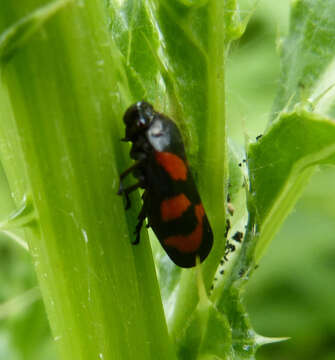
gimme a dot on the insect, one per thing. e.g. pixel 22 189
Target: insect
pixel 171 201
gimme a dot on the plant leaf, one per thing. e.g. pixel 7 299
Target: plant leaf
pixel 18 34
pixel 134 32
pixel 207 335
pixel 308 62
pixel 280 164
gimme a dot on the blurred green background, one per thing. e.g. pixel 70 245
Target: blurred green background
pixel 24 329
pixel 291 294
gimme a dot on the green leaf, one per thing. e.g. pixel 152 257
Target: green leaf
pixel 206 336
pixel 133 29
pixel 308 64
pixel 23 216
pixel 280 164
pixel 193 44
pixel 18 34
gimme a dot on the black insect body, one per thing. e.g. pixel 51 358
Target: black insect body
pixel 171 201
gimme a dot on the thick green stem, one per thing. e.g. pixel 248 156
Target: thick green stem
pixel 213 160
pixel 100 292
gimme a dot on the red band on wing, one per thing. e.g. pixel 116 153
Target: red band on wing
pixel 189 243
pixel 174 207
pixel 172 164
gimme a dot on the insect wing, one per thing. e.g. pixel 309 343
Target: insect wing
pixel 175 210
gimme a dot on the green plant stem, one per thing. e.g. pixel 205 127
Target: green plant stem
pixel 100 292
pixel 213 160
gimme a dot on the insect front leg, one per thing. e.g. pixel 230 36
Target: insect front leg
pixel 141 217
pixel 126 173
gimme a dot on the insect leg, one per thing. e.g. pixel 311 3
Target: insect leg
pixel 127 191
pixel 141 217
pixel 126 173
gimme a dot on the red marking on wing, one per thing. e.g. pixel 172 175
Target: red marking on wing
pixel 199 212
pixel 174 207
pixel 172 164
pixel 189 243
